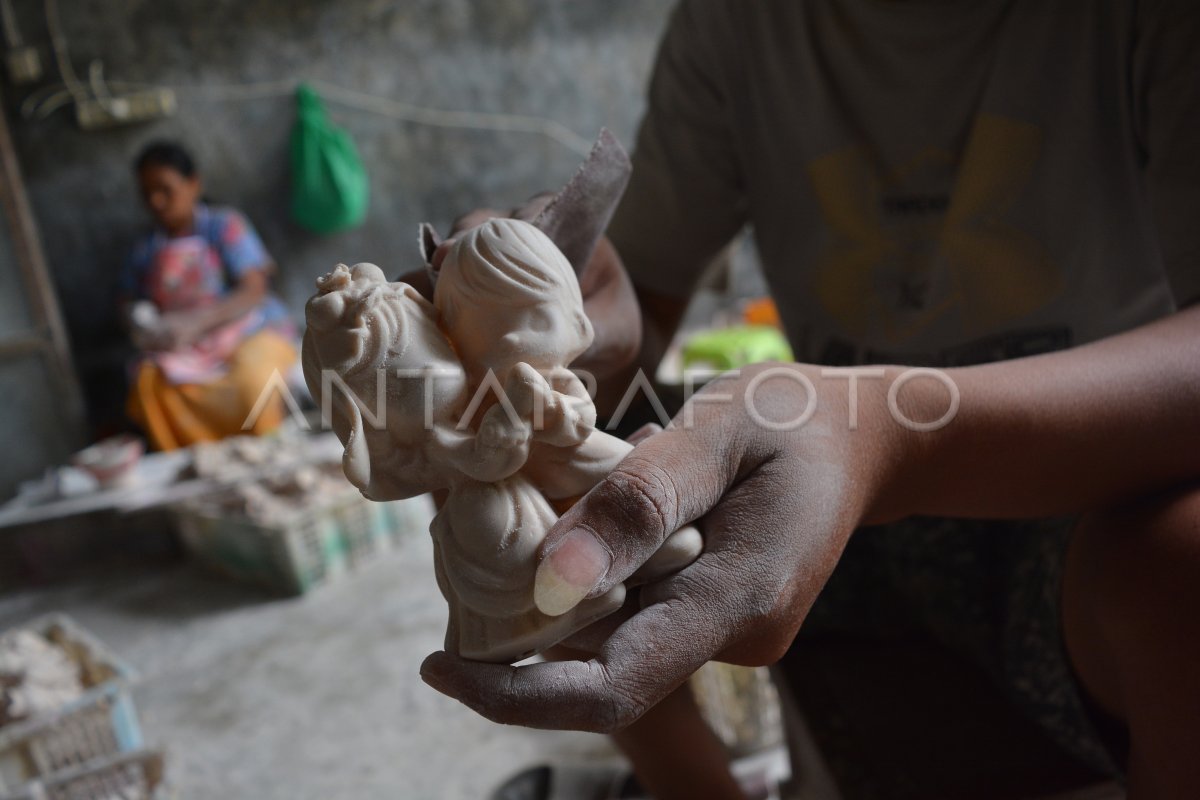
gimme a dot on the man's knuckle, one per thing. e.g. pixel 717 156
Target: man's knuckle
pixel 647 494
pixel 695 587
pixel 625 708
pixel 761 601
pixel 771 622
pixel 620 702
pixel 504 703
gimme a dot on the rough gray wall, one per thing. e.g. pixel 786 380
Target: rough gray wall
pixel 583 63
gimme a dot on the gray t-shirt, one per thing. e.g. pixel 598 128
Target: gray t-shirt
pixel 929 181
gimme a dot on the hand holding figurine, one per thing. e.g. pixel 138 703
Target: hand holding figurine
pixel 506 317
pixel 775 508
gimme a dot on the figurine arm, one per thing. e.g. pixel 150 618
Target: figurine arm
pixel 486 457
pixel 568 415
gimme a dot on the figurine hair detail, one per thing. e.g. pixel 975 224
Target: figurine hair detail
pixel 363 320
pixel 506 263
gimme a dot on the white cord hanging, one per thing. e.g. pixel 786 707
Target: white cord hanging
pixel 47 100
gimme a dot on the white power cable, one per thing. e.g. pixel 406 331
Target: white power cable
pixel 96 80
pixel 468 120
pixel 236 92
pixel 58 44
pixel 387 107
pixel 45 101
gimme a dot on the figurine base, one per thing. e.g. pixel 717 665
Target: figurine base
pixel 509 639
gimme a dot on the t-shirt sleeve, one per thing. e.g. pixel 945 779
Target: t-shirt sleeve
pixel 685 199
pixel 1166 86
pixel 241 249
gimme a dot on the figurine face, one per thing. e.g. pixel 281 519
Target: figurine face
pixel 543 336
pixel 506 294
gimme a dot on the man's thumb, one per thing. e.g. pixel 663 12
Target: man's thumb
pixel 669 480
pixel 577 565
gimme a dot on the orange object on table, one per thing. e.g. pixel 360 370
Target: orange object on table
pixel 761 312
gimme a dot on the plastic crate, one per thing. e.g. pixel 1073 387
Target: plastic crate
pixel 127 776
pixel 101 722
pixel 401 519
pixel 307 550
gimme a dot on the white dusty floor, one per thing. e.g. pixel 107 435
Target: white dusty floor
pixel 317 697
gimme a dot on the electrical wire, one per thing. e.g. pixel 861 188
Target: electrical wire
pixel 235 92
pixel 75 92
pixel 58 44
pixel 31 106
pixel 45 101
pixel 100 89
pixel 468 120
pixel 12 34
pixel 387 107
pixel 96 80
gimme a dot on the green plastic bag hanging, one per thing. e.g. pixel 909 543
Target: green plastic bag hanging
pixel 329 185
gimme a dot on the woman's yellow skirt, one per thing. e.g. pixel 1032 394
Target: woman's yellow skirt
pixel 175 416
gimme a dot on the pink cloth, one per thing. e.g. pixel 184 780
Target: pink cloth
pixel 186 275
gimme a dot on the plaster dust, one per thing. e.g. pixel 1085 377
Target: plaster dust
pixel 36 676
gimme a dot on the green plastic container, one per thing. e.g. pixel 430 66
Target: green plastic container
pixel 732 348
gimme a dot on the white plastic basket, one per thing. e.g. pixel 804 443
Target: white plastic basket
pixel 101 722
pixel 126 776
pixel 308 549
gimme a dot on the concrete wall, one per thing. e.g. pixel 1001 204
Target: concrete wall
pixel 583 63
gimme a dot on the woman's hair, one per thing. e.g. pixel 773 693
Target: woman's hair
pixel 163 153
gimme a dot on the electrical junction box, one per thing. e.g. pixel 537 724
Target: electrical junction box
pixel 24 65
pixel 125 109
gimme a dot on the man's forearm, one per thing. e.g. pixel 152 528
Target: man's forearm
pixel 633 327
pixel 660 319
pixel 1053 434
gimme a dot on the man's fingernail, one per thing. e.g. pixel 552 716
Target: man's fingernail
pixel 567 575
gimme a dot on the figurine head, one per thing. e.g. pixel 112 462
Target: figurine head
pixel 358 325
pixel 364 323
pixel 506 294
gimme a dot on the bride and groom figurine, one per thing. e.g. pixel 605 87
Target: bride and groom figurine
pixel 471 394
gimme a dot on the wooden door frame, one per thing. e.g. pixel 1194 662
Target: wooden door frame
pixel 48 336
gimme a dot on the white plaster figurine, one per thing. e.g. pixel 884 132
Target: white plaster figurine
pixel 478 401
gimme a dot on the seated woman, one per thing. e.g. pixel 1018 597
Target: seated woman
pixel 198 305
